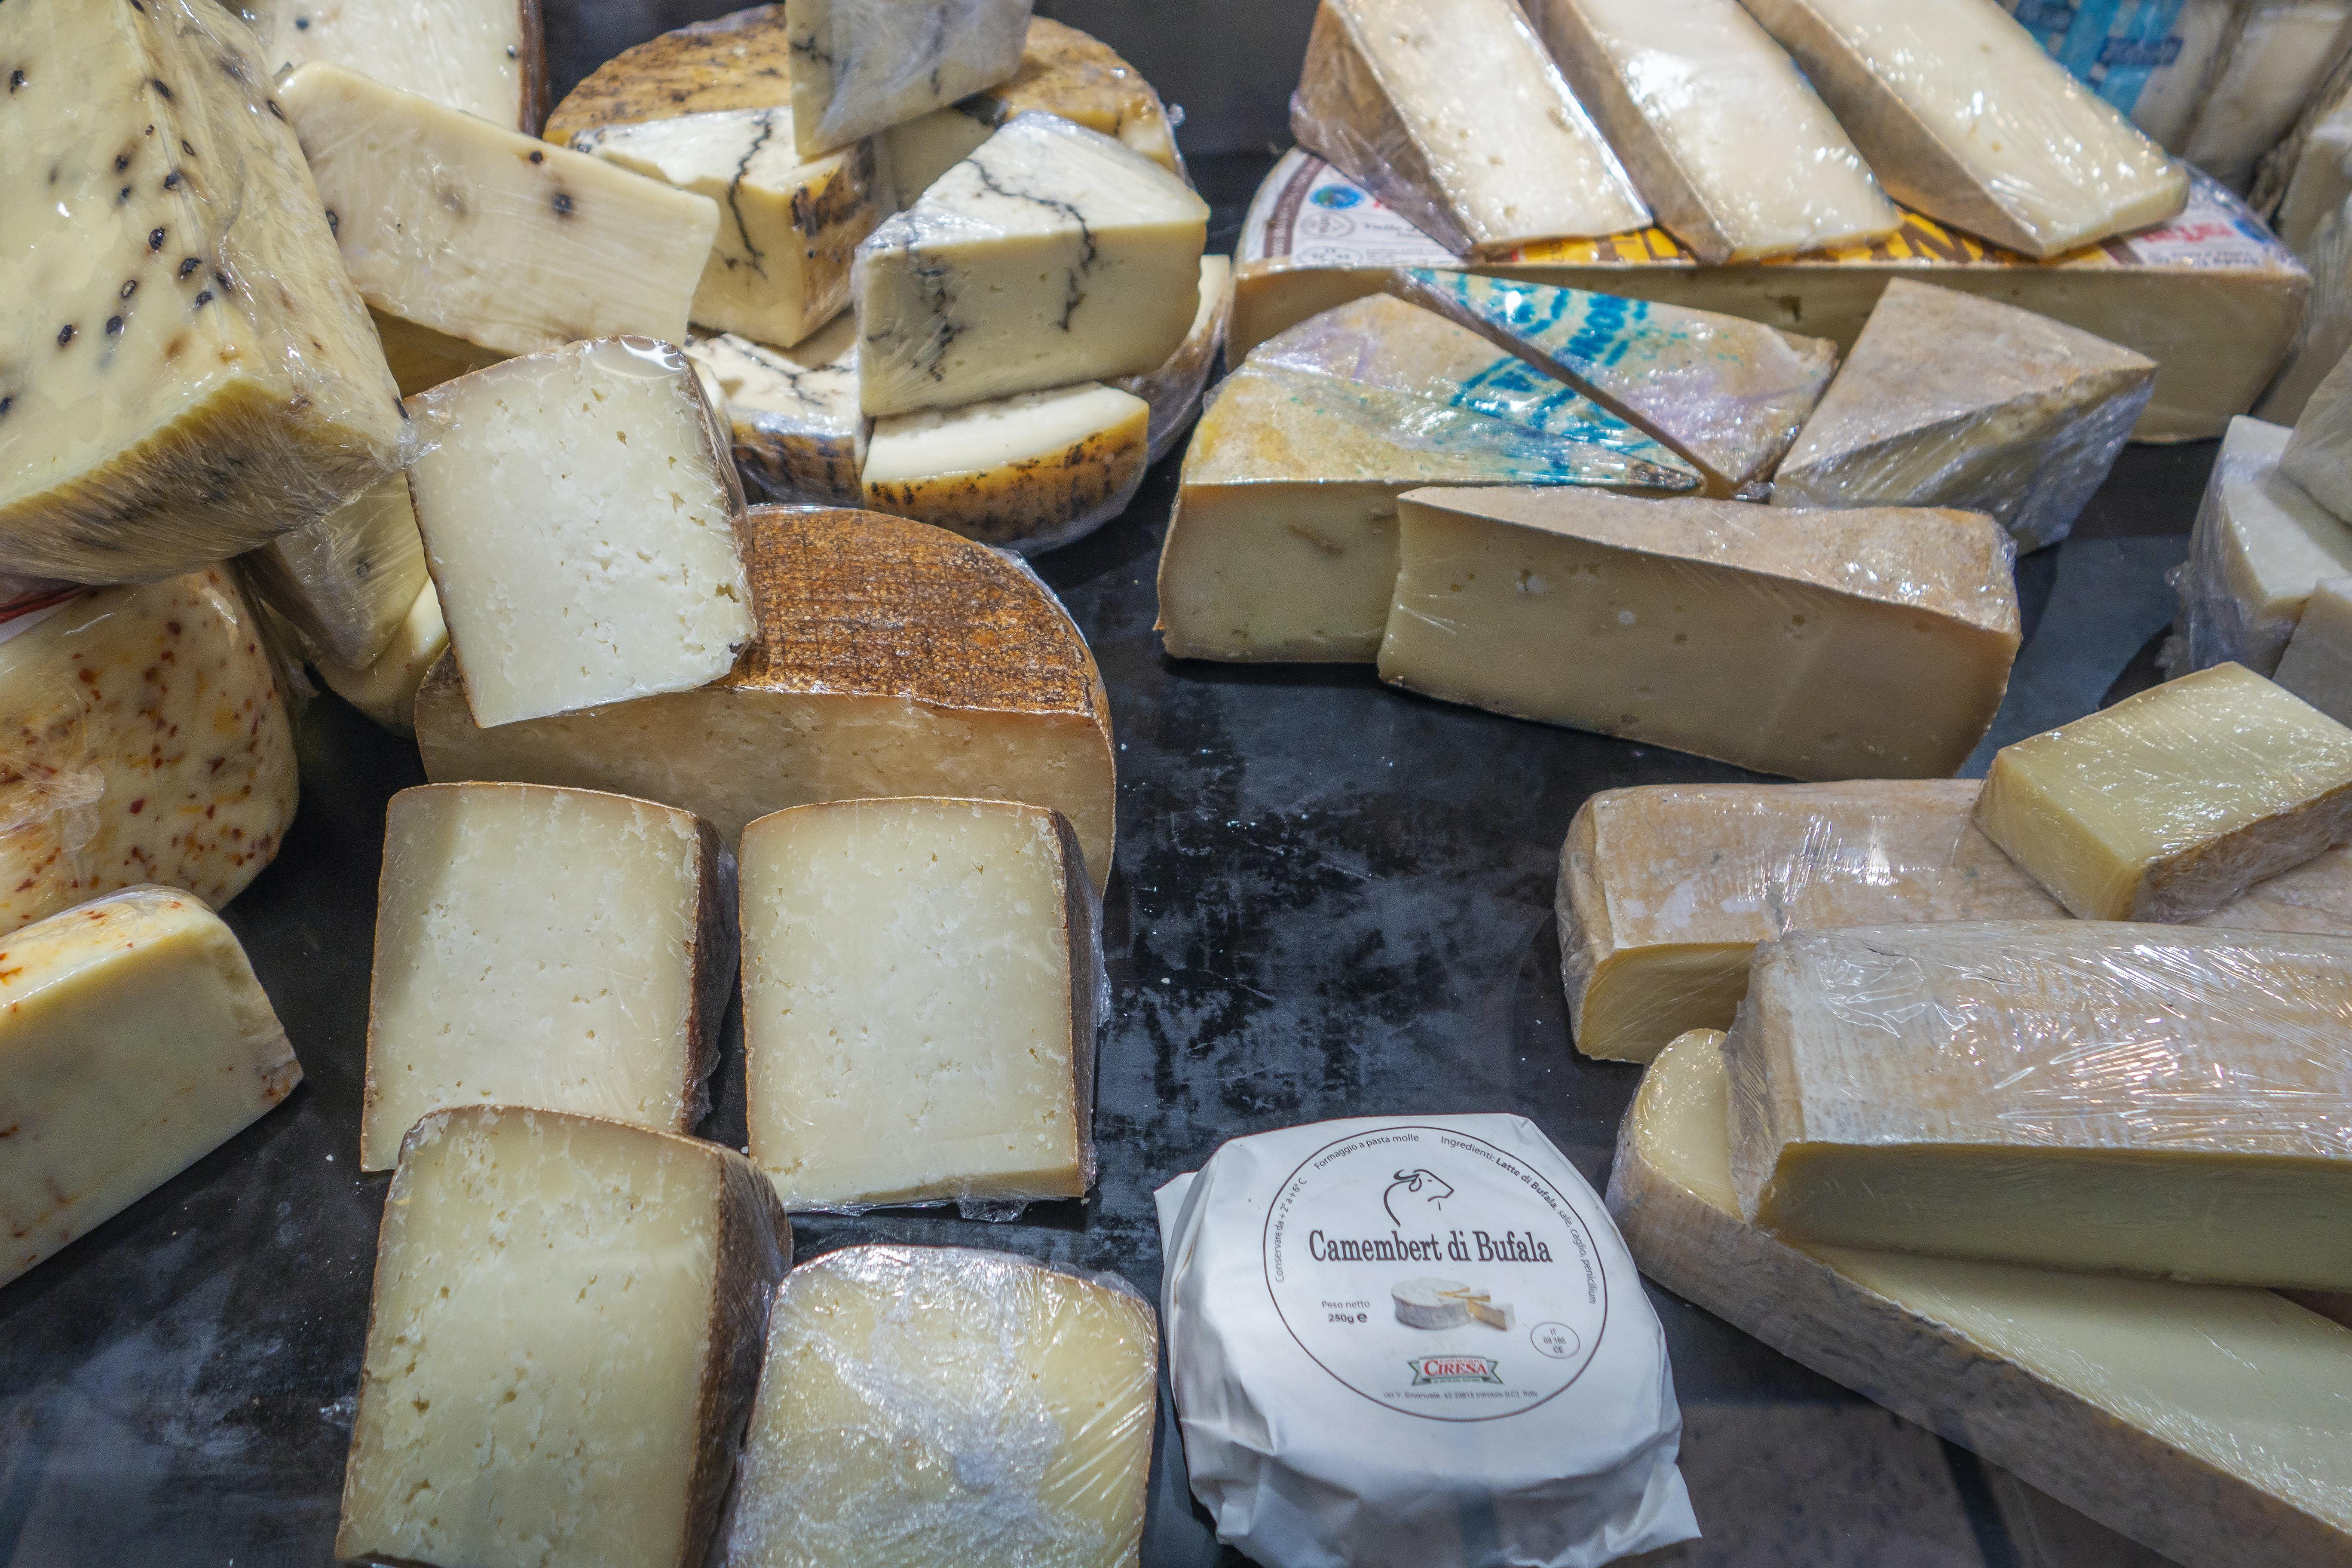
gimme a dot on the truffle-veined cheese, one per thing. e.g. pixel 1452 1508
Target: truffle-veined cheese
pixel 800 438
pixel 862 65
pixel 1028 473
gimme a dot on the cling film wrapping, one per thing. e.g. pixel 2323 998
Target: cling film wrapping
pixel 2152 59
pixel 799 437
pixel 386 689
pixel 347 582
pixel 488 60
pixel 857 66
pixel 2258 548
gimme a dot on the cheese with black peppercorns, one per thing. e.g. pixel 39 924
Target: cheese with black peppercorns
pixel 488 60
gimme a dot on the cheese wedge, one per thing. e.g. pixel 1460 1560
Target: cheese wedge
pixel 800 438
pixel 1027 472
pixel 2317 663
pixel 1824 645
pixel 2172 803
pixel 347 582
pixel 788 226
pixel 135 1040
pixel 862 65
pixel 489 61
pixel 555 948
pixel 893 658
pixel 968 1406
pixel 489 235
pixel 2260 546
pixel 422 359
pixel 1052 255
pixel 2152 60
pixel 2190 1418
pixel 562 1344
pixel 2280 52
pixel 1728 395
pixel 143 738
pixel 579 511
pixel 2318 456
pixel 1736 153
pixel 185 370
pixel 1951 400
pixel 922 982
pixel 1450 112
pixel 1283 545
pixel 386 689
pixel 1174 390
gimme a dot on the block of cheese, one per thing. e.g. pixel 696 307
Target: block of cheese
pixel 799 436
pixel 788 226
pixel 489 61
pixel 1283 545
pixel 578 510
pixel 2278 54
pixel 922 981
pixel 1052 255
pixel 1736 154
pixel 1728 395
pixel 557 948
pixel 486 235
pixel 185 371
pixel 2317 663
pixel 2151 58
pixel 347 582
pixel 2318 456
pixel 422 359
pixel 926 1404
pixel 1027 472
pixel 143 738
pixel 562 1344
pixel 1963 117
pixel 2173 802
pixel 1450 111
pixel 2194 1418
pixel 1174 390
pixel 862 65
pixel 893 658
pixel 135 1040
pixel 2077 1094
pixel 2259 545
pixel 1951 400
pixel 386 689
pixel 1824 645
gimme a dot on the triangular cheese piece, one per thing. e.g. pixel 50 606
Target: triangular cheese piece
pixel 2318 456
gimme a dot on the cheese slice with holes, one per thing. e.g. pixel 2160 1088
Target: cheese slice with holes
pixel 1027 472
pixel 347 582
pixel 862 65
pixel 386 689
pixel 800 437
pixel 489 61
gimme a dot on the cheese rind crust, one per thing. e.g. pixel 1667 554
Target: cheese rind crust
pixel 1028 473
pixel 799 436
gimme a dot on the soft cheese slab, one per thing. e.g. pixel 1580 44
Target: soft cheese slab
pixel 562 1344
pixel 1728 396
pixel 893 658
pixel 489 235
pixel 488 60
pixel 2317 663
pixel 862 65
pixel 557 948
pixel 1951 400
pixel 922 980
pixel 1735 152
pixel 2260 546
pixel 2195 1418
pixel 384 688
pixel 926 1404
pixel 1823 645
pixel 1052 255
pixel 185 370
pixel 2172 803
pixel 799 434
pixel 1027 472
pixel 1450 111
pixel 143 738
pixel 2318 456
pixel 578 510
pixel 135 1040
pixel 1174 390
pixel 346 583
pixel 1963 117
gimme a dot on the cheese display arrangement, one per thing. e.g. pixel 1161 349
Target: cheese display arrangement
pixel 2260 546
pixel 799 436
pixel 487 59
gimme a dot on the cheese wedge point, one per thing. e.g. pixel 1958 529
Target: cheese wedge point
pixel 489 61
pixel 347 582
pixel 862 65
pixel 1027 472
pixel 1174 390
pixel 386 689
pixel 2260 546
pixel 799 436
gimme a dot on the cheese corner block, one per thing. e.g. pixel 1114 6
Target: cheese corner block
pixel 788 226
pixel 893 658
pixel 1823 645
pixel 928 1404
pixel 1952 400
pixel 2077 1094
pixel 922 980
pixel 1964 117
pixel 558 948
pixel 1736 152
pixel 2196 1419
pixel 488 60
pixel 135 1040
pixel 483 233
pixel 1665 890
pixel 347 582
pixel 1284 541
pixel 799 436
pixel 1027 472
pixel 1052 255
pixel 2318 456
pixel 1451 113
pixel 579 509
pixel 862 65
pixel 562 1345
pixel 2172 803
pixel 1728 396
pixel 1174 390
pixel 2260 546
pixel 2317 663
pixel 386 688
pixel 143 738
pixel 185 370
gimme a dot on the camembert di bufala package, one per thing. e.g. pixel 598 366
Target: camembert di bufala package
pixel 1416 1341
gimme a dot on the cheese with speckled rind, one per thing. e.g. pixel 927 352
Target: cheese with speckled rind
pixel 1028 473
pixel 893 658
pixel 799 436
pixel 862 65
pixel 185 370
pixel 739 60
pixel 143 738
pixel 386 689
pixel 1174 389
pixel 562 1344
pixel 489 235
pixel 1822 644
pixel 346 583
pixel 488 60
pixel 2199 1419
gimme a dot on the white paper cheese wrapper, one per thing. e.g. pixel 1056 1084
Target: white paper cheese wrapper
pixel 1323 1428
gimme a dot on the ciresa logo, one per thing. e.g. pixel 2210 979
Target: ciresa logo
pixel 1454 1369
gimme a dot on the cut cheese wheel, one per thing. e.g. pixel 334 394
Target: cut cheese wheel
pixel 741 60
pixel 800 438
pixel 489 61
pixel 347 582
pixel 385 689
pixel 1028 473
pixel 2260 546
pixel 1431 1304
pixel 862 65
pixel 1174 389
pixel 893 658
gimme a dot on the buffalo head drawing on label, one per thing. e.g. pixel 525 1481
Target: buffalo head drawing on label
pixel 1431 1187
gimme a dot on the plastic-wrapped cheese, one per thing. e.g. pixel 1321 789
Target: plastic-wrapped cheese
pixel 488 60
pixel 386 689
pixel 1175 387
pixel 2318 456
pixel 2317 663
pixel 347 582
pixel 862 65
pixel 800 437
pixel 1027 472
pixel 2259 546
